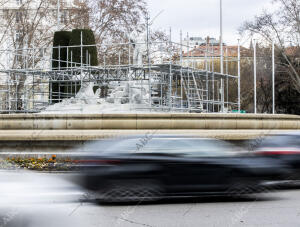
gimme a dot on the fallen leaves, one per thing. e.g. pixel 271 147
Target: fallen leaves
pixel 40 164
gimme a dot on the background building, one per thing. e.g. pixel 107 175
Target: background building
pixel 194 42
pixel 27 28
pixel 209 54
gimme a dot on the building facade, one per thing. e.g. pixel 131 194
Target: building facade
pixel 209 56
pixel 194 42
pixel 26 34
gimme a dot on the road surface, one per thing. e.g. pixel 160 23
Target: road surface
pixel 52 200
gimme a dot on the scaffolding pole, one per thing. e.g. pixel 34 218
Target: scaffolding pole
pixel 254 63
pixel 165 79
pixel 181 79
pixel 273 77
pixel 239 76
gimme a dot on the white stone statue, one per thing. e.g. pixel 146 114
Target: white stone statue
pixel 86 93
pixel 139 43
pixel 129 92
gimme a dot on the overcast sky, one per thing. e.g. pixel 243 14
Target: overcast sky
pixel 201 17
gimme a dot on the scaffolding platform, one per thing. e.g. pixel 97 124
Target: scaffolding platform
pixel 172 86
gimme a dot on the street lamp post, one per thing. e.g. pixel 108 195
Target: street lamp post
pixel 221 38
pixel 221 54
pixel 254 63
pixel 239 76
pixel 273 77
pixel 58 15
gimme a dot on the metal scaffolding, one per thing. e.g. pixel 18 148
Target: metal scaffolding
pixel 174 84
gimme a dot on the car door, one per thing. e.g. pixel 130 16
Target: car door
pixel 193 175
pixel 191 169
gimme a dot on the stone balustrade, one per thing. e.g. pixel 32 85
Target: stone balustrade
pixel 169 121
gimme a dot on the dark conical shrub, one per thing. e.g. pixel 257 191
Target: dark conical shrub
pixel 63 89
pixel 88 38
pixel 61 38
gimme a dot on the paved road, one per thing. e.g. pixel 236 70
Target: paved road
pixel 58 205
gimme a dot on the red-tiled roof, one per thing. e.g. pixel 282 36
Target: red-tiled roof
pixel 214 51
pixel 292 51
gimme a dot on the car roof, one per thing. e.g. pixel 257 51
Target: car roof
pixel 163 136
pixel 291 133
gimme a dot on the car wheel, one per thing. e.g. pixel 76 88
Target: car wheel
pixel 241 188
pixel 130 192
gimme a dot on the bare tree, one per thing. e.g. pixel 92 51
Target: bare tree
pixel 113 20
pixel 31 25
pixel 28 33
pixel 282 26
pixel 28 29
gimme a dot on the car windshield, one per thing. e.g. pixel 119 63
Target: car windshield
pixel 186 146
pixel 281 140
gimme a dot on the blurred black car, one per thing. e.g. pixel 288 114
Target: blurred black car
pixel 284 146
pixel 139 169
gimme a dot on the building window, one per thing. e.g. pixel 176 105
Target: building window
pixel 41 52
pixel 19 2
pixel 64 17
pixel 19 56
pixel 18 36
pixel 5 14
pixel 18 16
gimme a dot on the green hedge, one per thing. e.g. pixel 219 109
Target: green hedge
pixel 88 38
pixel 67 38
pixel 61 38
